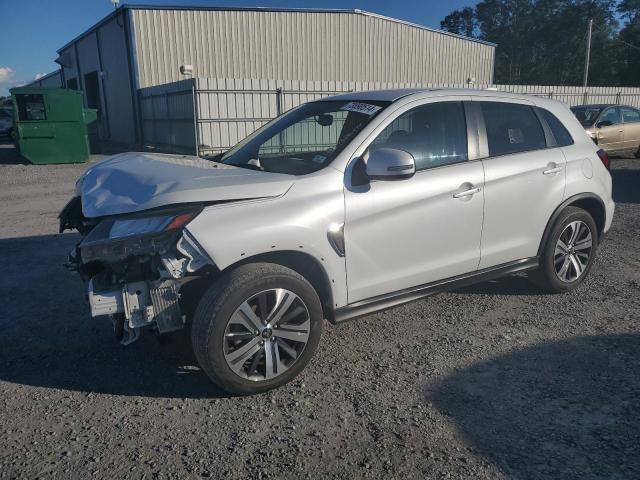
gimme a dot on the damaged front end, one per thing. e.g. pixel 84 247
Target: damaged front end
pixel 136 266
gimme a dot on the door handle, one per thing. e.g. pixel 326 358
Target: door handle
pixel 551 171
pixel 467 193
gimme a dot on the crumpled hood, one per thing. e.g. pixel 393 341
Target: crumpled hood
pixel 132 182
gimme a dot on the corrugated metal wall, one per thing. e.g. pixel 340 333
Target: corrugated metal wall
pixel 103 50
pixel 51 80
pixel 579 95
pixel 228 110
pixel 167 117
pixel 307 45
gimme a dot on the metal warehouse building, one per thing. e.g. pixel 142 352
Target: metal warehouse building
pixel 242 66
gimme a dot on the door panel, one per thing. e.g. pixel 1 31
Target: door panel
pixel 401 234
pixel 611 137
pixel 519 200
pixel 631 127
pixel 524 182
pixel 632 136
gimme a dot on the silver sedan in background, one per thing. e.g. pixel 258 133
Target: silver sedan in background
pixel 614 128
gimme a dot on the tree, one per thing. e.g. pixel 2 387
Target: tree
pixel 543 41
pixel 461 22
pixel 629 39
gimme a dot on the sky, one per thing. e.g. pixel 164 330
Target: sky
pixel 32 30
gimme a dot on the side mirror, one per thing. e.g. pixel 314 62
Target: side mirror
pixel 604 123
pixel 324 120
pixel 390 164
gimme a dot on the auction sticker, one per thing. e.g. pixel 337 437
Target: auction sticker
pixel 358 107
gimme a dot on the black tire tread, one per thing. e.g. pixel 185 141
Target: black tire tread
pixel 214 300
pixel 544 276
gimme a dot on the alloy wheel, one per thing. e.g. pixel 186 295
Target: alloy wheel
pixel 573 251
pixel 266 334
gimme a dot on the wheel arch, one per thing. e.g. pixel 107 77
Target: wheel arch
pixel 590 202
pixel 304 264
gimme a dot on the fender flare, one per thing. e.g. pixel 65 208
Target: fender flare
pixel 560 208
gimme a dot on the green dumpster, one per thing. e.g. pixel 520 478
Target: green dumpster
pixel 51 125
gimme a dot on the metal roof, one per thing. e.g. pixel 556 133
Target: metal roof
pixel 266 9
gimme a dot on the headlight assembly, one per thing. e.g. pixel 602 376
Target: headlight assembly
pixel 118 238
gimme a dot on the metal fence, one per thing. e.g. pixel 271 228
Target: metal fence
pixel 167 117
pixel 214 114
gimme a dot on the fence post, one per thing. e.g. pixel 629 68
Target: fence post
pixel 139 98
pixel 196 134
pixel 278 113
pixel 166 106
pixel 619 97
pixel 154 122
pixel 585 98
pixel 279 101
pixel 551 95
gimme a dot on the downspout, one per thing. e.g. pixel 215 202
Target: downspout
pixel 133 72
pixel 105 107
pixel 78 74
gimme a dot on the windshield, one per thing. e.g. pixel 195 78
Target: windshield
pixel 305 139
pixel 586 115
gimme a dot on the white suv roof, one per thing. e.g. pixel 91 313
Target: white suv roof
pixel 391 95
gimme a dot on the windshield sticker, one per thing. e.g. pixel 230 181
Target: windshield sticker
pixel 319 158
pixel 358 107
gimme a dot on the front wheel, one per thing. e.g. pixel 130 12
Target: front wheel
pixel 569 252
pixel 256 328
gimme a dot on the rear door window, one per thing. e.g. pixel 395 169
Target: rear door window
pixel 561 134
pixel 630 115
pixel 512 128
pixel 435 134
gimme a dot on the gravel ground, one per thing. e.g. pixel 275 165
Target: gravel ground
pixel 494 381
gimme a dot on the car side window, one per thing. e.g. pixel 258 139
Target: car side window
pixel 610 115
pixel 630 115
pixel 561 134
pixel 512 128
pixel 435 134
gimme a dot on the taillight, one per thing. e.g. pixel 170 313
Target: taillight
pixel 604 158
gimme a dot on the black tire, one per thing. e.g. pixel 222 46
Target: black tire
pixel 546 276
pixel 220 302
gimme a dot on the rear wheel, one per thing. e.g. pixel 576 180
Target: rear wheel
pixel 257 328
pixel 569 252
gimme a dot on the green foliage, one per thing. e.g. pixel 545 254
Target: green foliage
pixel 628 53
pixel 544 41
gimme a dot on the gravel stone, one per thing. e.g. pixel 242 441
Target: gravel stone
pixel 494 381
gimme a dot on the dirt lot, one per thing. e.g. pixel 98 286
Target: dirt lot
pixel 495 381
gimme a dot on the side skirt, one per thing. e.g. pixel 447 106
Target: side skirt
pixel 383 302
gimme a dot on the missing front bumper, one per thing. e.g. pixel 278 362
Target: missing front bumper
pixel 138 305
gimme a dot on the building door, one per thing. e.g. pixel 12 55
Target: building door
pixel 92 97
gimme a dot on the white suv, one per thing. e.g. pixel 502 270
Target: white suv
pixel 336 209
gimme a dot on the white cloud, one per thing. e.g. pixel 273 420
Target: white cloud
pixel 39 76
pixel 6 74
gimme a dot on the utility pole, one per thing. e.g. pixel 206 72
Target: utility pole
pixel 588 54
